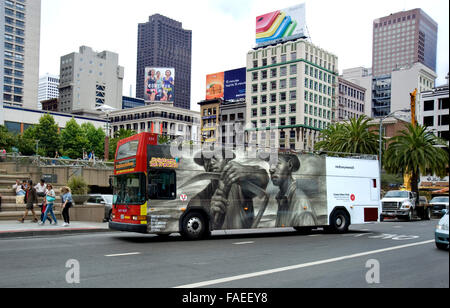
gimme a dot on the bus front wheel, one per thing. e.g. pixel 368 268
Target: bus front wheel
pixel 194 226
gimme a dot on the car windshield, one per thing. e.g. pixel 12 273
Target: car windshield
pixel 440 199
pixel 397 194
pixel 129 189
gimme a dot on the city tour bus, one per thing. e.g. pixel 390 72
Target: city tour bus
pixel 204 190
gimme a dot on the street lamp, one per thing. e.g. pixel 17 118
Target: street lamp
pixel 107 110
pixel 381 135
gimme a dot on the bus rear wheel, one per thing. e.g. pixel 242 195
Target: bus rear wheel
pixel 339 222
pixel 194 226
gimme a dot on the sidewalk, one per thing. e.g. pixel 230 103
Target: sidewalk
pixel 10 229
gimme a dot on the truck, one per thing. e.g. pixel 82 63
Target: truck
pixel 406 205
pixel 202 189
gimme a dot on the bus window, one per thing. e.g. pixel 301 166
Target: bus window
pixel 162 185
pixel 129 189
pixel 127 150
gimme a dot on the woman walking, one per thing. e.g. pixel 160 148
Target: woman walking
pixel 50 199
pixel 67 203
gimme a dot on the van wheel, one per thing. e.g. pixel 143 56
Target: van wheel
pixel 339 222
pixel 194 227
pixel 427 214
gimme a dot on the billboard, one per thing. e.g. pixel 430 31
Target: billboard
pixel 215 85
pixel 229 85
pixel 159 84
pixel 282 24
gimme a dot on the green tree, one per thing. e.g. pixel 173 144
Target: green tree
pixel 119 135
pixel 95 139
pixel 26 143
pixel 357 136
pixel 73 140
pixel 416 151
pixel 48 136
pixel 6 139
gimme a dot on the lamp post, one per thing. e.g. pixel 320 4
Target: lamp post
pixel 381 135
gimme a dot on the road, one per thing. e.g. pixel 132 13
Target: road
pixel 404 251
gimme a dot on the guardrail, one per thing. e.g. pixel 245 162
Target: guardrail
pixel 39 161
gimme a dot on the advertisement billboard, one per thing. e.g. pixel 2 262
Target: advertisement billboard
pixel 235 87
pixel 282 24
pixel 229 85
pixel 159 84
pixel 215 85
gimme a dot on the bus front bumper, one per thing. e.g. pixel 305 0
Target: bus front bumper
pixel 128 227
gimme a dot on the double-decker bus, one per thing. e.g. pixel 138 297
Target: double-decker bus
pixel 201 190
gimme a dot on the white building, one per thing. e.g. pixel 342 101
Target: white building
pixel 362 77
pixel 20 55
pixel 89 80
pixel 434 107
pixel 292 89
pixel 48 88
pixel 161 118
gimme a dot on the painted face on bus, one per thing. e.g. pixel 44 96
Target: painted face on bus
pixel 280 172
pixel 215 164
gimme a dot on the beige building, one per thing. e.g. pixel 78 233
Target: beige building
pixel 20 56
pixel 351 103
pixel 89 80
pixel 292 89
pixel 158 118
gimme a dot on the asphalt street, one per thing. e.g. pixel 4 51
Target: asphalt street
pixel 404 251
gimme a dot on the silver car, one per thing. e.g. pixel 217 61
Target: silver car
pixel 438 204
pixel 107 201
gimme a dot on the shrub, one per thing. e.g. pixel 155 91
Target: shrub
pixel 78 186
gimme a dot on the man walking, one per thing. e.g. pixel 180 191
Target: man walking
pixel 31 198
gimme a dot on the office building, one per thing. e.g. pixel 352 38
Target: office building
pixel 351 103
pixel 362 77
pixel 132 102
pixel 163 43
pixel 392 92
pixel 158 118
pixel 210 119
pixel 20 34
pixel 434 113
pixel 89 80
pixel 291 90
pixel 48 88
pixel 402 39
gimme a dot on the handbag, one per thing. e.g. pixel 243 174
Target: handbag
pixel 50 199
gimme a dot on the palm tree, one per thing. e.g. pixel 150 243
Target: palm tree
pixel 416 151
pixel 357 136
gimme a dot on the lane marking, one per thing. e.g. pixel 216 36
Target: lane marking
pixel 244 243
pixel 123 254
pixel 299 266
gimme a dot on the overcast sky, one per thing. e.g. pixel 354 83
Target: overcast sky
pixel 223 31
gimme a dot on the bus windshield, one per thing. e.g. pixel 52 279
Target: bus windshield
pixel 129 189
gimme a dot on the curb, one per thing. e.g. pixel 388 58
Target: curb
pixel 47 232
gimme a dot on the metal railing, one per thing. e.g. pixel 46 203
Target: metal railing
pixel 39 161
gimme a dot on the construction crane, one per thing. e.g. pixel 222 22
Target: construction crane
pixel 407 177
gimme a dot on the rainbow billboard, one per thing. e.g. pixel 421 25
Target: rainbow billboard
pixel 282 24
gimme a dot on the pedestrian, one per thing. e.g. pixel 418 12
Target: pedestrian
pixel 41 188
pixel 49 201
pixel 31 198
pixel 19 191
pixel 67 203
pixel 2 155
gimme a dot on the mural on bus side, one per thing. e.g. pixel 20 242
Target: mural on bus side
pixel 247 193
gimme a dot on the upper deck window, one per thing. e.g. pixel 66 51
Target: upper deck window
pixel 127 150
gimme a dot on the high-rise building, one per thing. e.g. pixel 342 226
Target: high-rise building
pixel 48 88
pixel 2 54
pixel 163 43
pixel 89 80
pixel 20 55
pixel 402 39
pixel 292 90
pixel 362 77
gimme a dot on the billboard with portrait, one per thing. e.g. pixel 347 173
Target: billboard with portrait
pixel 159 84
pixel 282 24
